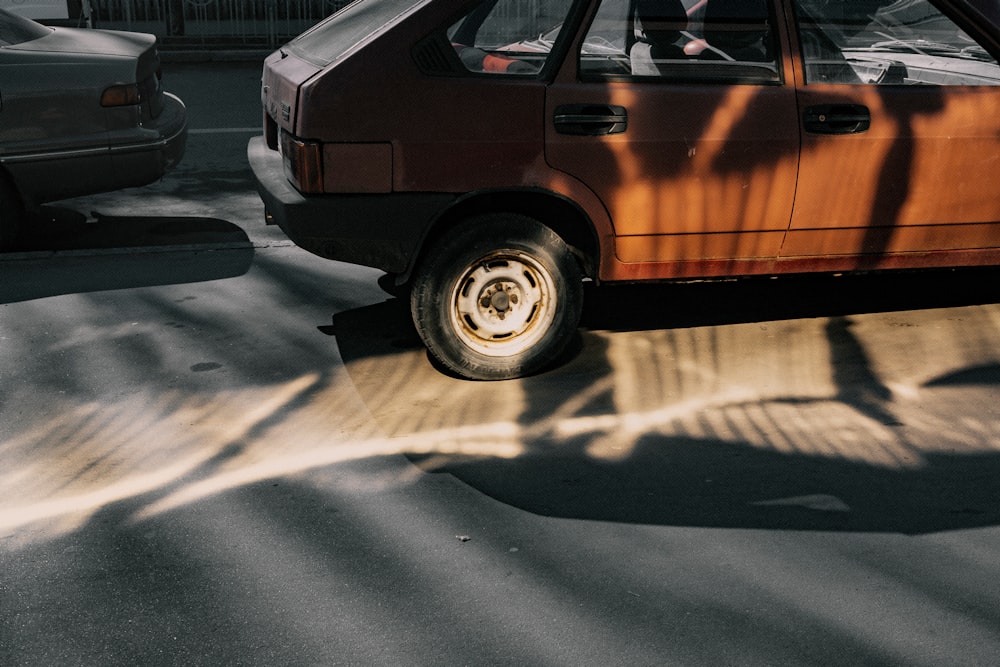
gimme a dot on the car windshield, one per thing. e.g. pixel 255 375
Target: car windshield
pixel 350 27
pixel 16 29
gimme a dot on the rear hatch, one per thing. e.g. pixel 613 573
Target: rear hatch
pixel 283 75
pixel 322 47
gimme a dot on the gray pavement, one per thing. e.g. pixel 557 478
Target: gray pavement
pixel 218 449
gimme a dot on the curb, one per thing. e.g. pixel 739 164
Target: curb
pixel 28 255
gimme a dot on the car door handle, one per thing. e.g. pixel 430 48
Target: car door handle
pixel 590 119
pixel 837 119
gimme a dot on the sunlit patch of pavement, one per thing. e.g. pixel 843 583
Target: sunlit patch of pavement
pixel 767 388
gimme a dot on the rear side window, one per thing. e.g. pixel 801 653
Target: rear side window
pixel 508 37
pixel 906 42
pixel 16 29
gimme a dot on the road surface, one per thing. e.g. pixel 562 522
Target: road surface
pixel 218 449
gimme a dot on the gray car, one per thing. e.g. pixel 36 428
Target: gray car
pixel 81 112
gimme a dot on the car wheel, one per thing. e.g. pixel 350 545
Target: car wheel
pixel 10 215
pixel 500 297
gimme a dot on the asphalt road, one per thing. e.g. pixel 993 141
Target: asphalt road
pixel 218 449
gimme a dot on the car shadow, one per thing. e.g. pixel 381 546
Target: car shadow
pixel 715 484
pixel 549 444
pixel 638 307
pixel 62 251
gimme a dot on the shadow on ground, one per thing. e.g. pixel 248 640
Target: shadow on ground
pixel 64 252
pixel 737 480
pixel 679 482
pixel 650 306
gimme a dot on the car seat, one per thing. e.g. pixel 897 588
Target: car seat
pixel 657 27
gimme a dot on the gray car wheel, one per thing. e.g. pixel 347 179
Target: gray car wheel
pixel 499 297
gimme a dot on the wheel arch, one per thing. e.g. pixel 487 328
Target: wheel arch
pixel 561 215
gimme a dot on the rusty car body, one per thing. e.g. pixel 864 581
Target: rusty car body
pixel 488 154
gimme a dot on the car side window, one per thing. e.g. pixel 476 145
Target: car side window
pixel 508 37
pixel 906 42
pixel 726 41
pixel 15 29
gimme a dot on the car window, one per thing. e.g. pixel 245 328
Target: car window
pixel 698 40
pixel 16 29
pixel 508 37
pixel 896 42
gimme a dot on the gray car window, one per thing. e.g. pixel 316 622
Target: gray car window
pixel 16 29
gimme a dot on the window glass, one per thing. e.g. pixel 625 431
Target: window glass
pixel 888 42
pixel 702 40
pixel 511 37
pixel 16 29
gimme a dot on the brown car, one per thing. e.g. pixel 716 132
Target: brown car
pixel 489 155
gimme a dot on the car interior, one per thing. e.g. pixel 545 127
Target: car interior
pixel 887 42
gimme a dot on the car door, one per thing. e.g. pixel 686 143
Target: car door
pixel 900 116
pixel 677 116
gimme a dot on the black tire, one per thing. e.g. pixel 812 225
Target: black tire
pixel 499 297
pixel 11 214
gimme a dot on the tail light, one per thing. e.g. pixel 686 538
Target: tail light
pixel 121 96
pixel 303 162
pixel 316 168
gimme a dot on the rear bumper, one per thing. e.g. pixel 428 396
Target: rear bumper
pixel 149 160
pixel 157 147
pixel 383 231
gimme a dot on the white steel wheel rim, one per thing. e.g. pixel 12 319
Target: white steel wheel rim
pixel 503 304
